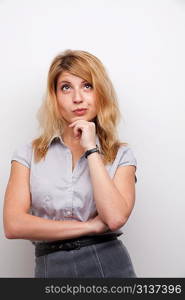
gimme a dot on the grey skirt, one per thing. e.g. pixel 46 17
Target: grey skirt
pixel 108 259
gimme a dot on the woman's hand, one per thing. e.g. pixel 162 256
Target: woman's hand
pixel 97 225
pixel 86 132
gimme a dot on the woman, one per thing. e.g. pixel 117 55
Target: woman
pixel 68 191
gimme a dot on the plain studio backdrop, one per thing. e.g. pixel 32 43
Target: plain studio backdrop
pixel 142 45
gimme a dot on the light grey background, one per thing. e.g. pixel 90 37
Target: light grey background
pixel 142 45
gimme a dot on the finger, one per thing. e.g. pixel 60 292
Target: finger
pixel 71 125
pixel 77 122
pixel 77 131
pixel 78 135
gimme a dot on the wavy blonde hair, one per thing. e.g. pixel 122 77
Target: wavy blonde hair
pixel 90 68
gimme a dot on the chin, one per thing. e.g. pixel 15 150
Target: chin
pixel 78 118
pixel 91 119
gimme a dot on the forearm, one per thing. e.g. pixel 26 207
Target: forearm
pixel 36 228
pixel 109 202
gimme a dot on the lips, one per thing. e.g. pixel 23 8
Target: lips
pixel 80 111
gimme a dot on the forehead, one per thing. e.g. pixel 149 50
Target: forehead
pixel 66 76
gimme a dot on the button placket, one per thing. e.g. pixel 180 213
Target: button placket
pixel 73 174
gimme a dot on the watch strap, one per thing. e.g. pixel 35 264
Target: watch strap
pixel 88 152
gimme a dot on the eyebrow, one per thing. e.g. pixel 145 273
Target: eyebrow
pixel 70 82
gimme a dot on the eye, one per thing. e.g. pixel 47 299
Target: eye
pixel 65 86
pixel 88 85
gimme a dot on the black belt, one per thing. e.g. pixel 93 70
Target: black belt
pixel 70 244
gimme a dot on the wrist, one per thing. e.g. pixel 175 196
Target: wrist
pixel 92 150
pixel 90 147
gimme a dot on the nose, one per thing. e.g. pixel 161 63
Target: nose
pixel 77 97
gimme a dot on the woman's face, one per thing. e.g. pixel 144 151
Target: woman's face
pixel 75 93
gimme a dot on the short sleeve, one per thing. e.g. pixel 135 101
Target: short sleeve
pixel 23 154
pixel 127 157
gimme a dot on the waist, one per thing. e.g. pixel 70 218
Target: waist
pixel 71 244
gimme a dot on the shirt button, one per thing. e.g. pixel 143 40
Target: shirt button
pixel 47 198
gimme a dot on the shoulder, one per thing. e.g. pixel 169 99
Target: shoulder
pixel 126 156
pixel 23 154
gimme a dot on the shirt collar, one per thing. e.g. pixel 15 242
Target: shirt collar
pixel 58 137
pixel 55 137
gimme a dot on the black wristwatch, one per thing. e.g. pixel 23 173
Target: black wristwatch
pixel 91 151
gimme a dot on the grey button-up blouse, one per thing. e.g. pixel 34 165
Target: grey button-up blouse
pixel 59 193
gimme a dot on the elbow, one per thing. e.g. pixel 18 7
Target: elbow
pixel 10 231
pixel 9 235
pixel 116 223
pixel 14 226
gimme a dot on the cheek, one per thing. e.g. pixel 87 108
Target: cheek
pixel 62 103
pixel 93 103
pixel 91 99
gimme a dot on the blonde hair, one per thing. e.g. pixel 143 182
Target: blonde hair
pixel 88 67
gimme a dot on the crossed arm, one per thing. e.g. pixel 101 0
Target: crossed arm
pixel 114 198
pixel 114 201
